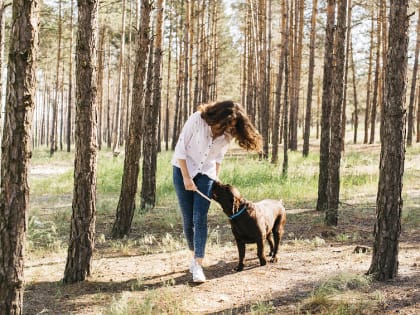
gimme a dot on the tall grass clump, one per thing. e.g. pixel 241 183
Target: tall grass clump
pixel 342 294
pixel 154 302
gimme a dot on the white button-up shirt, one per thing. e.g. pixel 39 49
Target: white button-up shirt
pixel 198 148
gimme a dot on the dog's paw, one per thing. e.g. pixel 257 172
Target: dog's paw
pixel 263 262
pixel 239 267
pixel 274 260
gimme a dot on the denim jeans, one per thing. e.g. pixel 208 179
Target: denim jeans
pixel 194 209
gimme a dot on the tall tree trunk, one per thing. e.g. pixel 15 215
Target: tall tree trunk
pixel 277 107
pixel 333 186
pixel 356 103
pixel 70 91
pixel 16 153
pixel 418 115
pixel 168 80
pixel 108 99
pixel 413 86
pixel 285 165
pixel 376 84
pixel 82 229
pixel 346 71
pixel 186 103
pixel 101 59
pixel 148 189
pixel 296 74
pixel 126 203
pixel 263 102
pixel 369 83
pixel 327 95
pixel 116 130
pixel 2 41
pixel 389 201
pixel 54 134
pixel 308 116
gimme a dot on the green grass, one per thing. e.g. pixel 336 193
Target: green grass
pixel 159 230
pixel 51 194
pixel 341 294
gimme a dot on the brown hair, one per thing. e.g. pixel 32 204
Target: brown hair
pixel 224 113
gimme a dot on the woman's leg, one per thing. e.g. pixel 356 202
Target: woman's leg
pixel 201 207
pixel 185 201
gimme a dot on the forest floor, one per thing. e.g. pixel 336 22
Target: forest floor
pixel 281 288
pixel 126 280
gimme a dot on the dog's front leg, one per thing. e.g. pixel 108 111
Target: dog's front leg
pixel 260 252
pixel 241 252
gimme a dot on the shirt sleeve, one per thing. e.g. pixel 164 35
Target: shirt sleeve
pixel 181 148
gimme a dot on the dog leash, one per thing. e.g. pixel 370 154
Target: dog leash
pixel 203 195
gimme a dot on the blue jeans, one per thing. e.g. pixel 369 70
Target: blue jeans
pixel 194 209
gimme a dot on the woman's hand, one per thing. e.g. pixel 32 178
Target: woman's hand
pixel 189 184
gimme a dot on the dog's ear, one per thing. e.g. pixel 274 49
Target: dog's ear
pixel 236 202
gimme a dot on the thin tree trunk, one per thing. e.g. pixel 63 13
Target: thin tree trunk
pixel 101 55
pixel 186 103
pixel 70 91
pixel 117 126
pixel 389 201
pixel 2 42
pixel 126 203
pixel 356 105
pixel 82 230
pixel 16 153
pixel 327 98
pixel 277 107
pixel 148 189
pixel 308 116
pixel 418 114
pixel 285 165
pixel 333 186
pixel 54 124
pixel 108 106
pixel 346 71
pixel 369 84
pixel 168 80
pixel 376 84
pixel 413 86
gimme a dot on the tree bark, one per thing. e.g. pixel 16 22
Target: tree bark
pixel 116 130
pixel 356 103
pixel 70 91
pixel 327 95
pixel 82 230
pixel 308 116
pixel 277 106
pixel 369 85
pixel 389 200
pixel 16 153
pixel 148 189
pixel 413 86
pixel 285 165
pixel 331 215
pixel 101 59
pixel 54 133
pixel 376 84
pixel 126 203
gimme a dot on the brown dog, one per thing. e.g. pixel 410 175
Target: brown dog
pixel 252 222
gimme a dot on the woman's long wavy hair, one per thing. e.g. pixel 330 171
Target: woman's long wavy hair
pixel 224 113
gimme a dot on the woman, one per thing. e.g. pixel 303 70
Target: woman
pixel 198 155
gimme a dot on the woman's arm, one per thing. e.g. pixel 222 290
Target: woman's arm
pixel 188 182
pixel 218 165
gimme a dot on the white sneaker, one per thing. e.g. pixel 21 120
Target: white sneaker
pixel 192 265
pixel 198 274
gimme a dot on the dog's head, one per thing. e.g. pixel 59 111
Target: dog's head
pixel 227 196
